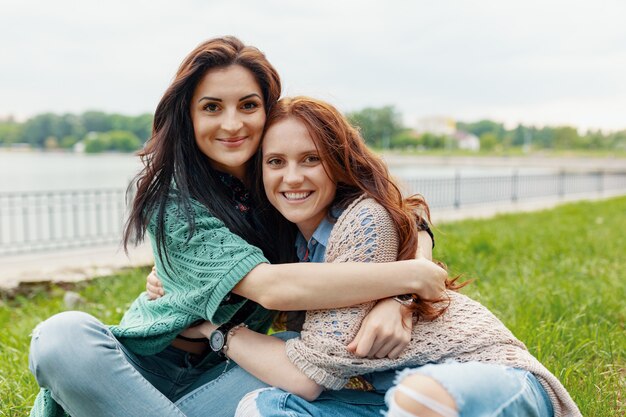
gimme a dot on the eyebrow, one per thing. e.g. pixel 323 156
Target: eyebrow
pixel 220 100
pixel 305 152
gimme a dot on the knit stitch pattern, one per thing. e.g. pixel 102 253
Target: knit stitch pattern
pixel 204 267
pixel 467 331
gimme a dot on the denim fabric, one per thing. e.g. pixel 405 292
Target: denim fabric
pixel 275 402
pixel 90 373
pixel 217 394
pixel 480 389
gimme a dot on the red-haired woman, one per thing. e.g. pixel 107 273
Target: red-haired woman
pixel 318 174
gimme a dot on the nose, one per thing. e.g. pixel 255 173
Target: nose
pixel 231 122
pixel 293 175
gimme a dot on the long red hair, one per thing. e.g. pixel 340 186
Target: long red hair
pixel 357 170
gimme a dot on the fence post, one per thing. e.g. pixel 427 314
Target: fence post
pixel 600 175
pixel 457 189
pixel 561 188
pixel 514 186
pixel 25 218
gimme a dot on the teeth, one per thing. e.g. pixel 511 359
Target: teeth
pixel 296 196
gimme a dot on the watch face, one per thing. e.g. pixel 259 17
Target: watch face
pixel 216 341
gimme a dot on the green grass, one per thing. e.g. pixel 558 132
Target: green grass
pixel 106 298
pixel 556 278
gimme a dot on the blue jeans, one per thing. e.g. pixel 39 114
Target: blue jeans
pixel 478 390
pixel 481 389
pixel 90 373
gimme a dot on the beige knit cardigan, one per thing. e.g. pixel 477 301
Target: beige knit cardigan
pixel 467 331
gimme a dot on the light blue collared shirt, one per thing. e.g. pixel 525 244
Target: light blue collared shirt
pixel 315 249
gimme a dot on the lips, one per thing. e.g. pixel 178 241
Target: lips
pixel 297 196
pixel 232 142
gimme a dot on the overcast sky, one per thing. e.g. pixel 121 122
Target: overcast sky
pixel 531 61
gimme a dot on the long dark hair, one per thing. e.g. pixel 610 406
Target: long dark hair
pixel 357 170
pixel 172 158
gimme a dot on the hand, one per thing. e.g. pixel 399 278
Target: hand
pixel 385 331
pixel 154 287
pixel 201 330
pixel 431 278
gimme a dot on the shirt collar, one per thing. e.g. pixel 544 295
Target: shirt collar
pixel 316 246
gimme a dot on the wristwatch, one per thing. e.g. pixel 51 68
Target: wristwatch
pixel 406 299
pixel 219 336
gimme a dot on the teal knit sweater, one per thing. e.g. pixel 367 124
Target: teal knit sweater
pixel 203 268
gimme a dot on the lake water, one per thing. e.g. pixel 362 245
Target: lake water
pixel 40 171
pixel 31 221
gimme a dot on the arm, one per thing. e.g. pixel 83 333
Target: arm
pixel 317 286
pixel 262 355
pixel 215 259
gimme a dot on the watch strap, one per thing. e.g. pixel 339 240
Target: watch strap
pixel 238 318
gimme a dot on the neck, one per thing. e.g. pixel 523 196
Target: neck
pixel 307 230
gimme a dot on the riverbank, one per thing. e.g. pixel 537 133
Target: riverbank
pixel 568 163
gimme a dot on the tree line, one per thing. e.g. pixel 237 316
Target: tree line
pixel 98 131
pixel 381 127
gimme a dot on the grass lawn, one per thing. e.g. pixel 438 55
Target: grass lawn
pixel 556 278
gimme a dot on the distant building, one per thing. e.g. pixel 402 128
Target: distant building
pixel 446 126
pixel 79 147
pixel 467 141
pixel 437 125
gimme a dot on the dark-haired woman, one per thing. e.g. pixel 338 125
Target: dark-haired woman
pixel 211 252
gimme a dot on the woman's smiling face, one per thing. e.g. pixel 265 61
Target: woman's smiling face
pixel 294 177
pixel 228 118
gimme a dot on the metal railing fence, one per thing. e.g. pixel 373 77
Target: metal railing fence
pixel 38 221
pixel 459 191
pixel 54 220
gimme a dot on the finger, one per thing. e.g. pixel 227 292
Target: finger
pixel 153 279
pixel 365 344
pixel 151 294
pixel 396 352
pixel 378 344
pixel 352 346
pixel 385 349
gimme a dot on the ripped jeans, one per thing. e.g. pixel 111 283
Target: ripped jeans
pixel 478 389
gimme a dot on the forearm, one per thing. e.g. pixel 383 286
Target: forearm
pixel 424 245
pixel 265 357
pixel 307 286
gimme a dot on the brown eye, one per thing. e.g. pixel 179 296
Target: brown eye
pixel 251 105
pixel 274 162
pixel 211 107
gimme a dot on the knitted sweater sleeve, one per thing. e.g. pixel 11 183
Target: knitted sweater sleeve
pixel 201 268
pixel 363 233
